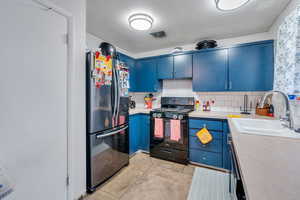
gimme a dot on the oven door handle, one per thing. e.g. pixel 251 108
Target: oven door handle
pixel 111 133
pixel 166 151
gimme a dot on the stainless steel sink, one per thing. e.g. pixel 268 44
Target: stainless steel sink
pixel 263 127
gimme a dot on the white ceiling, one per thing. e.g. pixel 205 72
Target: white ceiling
pixel 185 21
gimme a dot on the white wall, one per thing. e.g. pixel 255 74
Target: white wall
pixel 177 88
pixel 92 43
pixel 292 6
pixel 78 138
pixel 221 43
pixel 271 34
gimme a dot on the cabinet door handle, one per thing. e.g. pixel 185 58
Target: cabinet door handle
pixel 230 85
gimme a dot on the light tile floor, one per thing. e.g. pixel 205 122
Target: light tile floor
pixel 147 178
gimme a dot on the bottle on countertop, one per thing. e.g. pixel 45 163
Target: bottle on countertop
pixel 197 105
pixel 206 106
pixel 271 110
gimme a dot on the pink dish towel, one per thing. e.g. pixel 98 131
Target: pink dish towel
pixel 122 121
pixel 175 130
pixel 158 128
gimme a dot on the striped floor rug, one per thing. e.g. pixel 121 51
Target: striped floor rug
pixel 209 184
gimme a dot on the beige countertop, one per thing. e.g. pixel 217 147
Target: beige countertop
pixel 222 115
pixel 139 110
pixel 270 166
pixel 202 114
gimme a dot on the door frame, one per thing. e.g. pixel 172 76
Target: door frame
pixel 70 39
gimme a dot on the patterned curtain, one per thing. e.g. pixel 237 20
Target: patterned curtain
pixel 287 60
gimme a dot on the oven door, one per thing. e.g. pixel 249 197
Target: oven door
pixel 166 141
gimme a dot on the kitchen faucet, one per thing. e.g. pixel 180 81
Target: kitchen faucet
pixel 289 115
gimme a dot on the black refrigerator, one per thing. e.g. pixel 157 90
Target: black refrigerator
pixel 107 109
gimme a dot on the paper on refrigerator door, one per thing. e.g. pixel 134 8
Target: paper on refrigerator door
pixel 6 186
pixel 102 72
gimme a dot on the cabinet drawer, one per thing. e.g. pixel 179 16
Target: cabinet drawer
pixel 207 158
pixel 214 146
pixel 210 124
pixel 216 135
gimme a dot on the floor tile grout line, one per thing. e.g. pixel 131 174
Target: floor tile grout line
pixel 154 164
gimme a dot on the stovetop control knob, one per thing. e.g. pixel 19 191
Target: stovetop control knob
pixel 154 115
pixel 180 117
pixel 175 116
pixel 159 115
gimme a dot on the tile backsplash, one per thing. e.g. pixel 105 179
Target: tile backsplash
pixel 229 101
pixel 224 101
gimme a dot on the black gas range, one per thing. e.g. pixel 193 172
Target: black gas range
pixel 169 129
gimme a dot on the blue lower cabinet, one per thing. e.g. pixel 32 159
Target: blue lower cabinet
pixel 207 158
pixel 215 134
pixel 214 146
pixel 216 153
pixel 139 132
pixel 226 148
pixel 144 137
pixel 134 127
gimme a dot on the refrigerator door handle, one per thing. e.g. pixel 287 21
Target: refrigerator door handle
pixel 111 133
pixel 118 90
pixel 115 96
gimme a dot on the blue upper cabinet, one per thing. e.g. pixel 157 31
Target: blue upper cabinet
pixel 210 71
pixel 130 62
pixel 165 67
pixel 145 76
pixel 246 67
pixel 175 67
pixel 251 67
pixel 183 65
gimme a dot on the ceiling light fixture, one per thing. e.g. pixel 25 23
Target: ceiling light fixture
pixel 229 5
pixel 140 22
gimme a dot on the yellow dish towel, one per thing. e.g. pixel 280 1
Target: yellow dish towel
pixel 204 136
pixel 234 116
